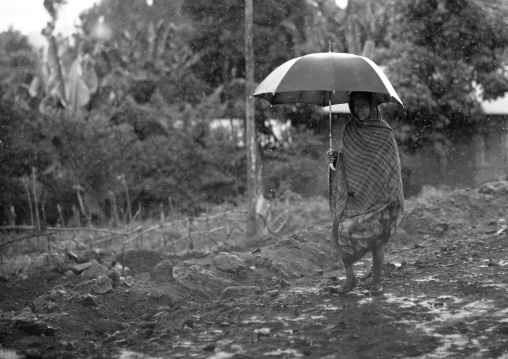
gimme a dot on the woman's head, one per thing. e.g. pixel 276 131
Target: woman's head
pixel 363 105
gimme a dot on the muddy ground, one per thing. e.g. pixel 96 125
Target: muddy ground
pixel 445 280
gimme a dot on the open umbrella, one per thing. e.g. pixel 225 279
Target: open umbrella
pixel 325 79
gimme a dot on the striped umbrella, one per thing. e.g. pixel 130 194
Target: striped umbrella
pixel 325 79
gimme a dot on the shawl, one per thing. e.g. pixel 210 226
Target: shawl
pixel 367 176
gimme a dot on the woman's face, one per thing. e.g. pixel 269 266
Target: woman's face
pixel 361 108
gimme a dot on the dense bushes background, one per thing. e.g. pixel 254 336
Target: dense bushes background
pixel 125 115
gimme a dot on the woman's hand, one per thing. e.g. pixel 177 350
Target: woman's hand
pixel 332 156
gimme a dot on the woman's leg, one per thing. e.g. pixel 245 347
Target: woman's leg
pixel 350 281
pixel 378 255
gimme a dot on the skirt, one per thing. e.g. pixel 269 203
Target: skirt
pixel 354 237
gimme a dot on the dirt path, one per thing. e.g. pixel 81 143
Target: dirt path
pixel 445 280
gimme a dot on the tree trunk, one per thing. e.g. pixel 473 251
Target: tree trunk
pixel 352 28
pixel 250 128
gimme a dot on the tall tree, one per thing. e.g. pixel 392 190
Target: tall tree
pixel 439 50
pixel 252 158
pixel 279 26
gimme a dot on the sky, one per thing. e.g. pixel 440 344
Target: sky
pixel 29 16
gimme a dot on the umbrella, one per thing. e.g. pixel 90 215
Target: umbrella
pixel 325 79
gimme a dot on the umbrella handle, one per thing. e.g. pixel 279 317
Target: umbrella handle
pixel 330 151
pixel 330 124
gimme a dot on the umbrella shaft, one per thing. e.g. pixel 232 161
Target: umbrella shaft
pixel 330 118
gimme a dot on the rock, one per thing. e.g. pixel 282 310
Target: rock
pixel 209 347
pixel 161 315
pixel 283 283
pixel 162 272
pixel 142 277
pixel 229 263
pixel 127 281
pixel 262 332
pixel 30 324
pixel 111 338
pixel 108 261
pixel 95 270
pixel 163 308
pixel 114 276
pixel 120 269
pixel 84 286
pixel 223 322
pixel 281 269
pixel 105 326
pixel 46 303
pixel 240 291
pixel 145 325
pixel 146 333
pixel 188 323
pixel 68 345
pixel 6 315
pixel 58 293
pixel 273 293
pixel 441 228
pixel 202 280
pixel 262 262
pixel 32 353
pixel 72 255
pixel 288 242
pixel 102 285
pixel 68 323
pixel 332 289
pixel 78 268
pixel 69 274
pixel 503 329
pixel 494 187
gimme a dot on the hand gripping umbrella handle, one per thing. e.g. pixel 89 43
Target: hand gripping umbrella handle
pixel 332 167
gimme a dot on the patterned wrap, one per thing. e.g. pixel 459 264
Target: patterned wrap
pixel 366 197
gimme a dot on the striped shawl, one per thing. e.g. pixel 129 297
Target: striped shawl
pixel 367 176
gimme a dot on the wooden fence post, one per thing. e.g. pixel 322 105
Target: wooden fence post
pixel 29 199
pixel 36 204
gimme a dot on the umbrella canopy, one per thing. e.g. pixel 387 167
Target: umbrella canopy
pixel 325 78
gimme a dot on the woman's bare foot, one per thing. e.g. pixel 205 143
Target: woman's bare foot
pixel 366 275
pixel 348 285
pixel 376 289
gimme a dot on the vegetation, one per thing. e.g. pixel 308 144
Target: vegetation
pixel 118 119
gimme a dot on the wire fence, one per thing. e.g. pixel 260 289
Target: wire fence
pixel 186 234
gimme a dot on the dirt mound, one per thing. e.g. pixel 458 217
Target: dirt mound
pixel 444 280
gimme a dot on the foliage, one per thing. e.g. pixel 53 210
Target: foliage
pixel 148 80
pixel 278 27
pixel 293 167
pixel 140 49
pixel 438 51
pixel 18 64
pixel 22 147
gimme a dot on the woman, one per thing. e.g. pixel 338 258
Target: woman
pixel 366 189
